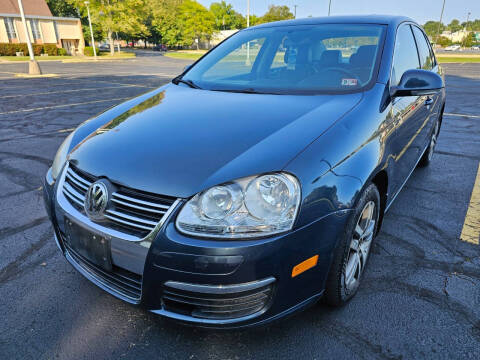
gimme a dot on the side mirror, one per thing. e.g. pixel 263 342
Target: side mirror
pixel 416 83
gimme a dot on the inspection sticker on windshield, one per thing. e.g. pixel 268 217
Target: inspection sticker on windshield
pixel 349 82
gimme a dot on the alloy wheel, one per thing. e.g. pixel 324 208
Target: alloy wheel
pixel 360 245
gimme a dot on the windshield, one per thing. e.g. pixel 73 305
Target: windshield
pixel 292 59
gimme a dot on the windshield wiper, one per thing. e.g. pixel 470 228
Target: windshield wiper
pixel 190 83
pixel 244 91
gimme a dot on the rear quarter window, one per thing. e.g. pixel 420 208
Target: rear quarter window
pixel 426 60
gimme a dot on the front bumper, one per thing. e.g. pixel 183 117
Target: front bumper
pixel 208 282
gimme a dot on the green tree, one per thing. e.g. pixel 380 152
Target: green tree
pixel 97 33
pixel 454 25
pixel 240 21
pixel 224 15
pixel 254 20
pixel 432 28
pixel 470 40
pixel 277 13
pixel 196 22
pixel 165 14
pixel 62 8
pixel 116 16
pixel 182 22
pixel 443 41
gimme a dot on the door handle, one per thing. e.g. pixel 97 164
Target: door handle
pixel 429 101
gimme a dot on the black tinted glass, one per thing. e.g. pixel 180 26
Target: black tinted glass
pixel 406 57
pixel 293 59
pixel 426 61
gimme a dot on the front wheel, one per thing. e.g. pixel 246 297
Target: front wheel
pixel 351 255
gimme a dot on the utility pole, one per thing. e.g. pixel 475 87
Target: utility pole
pixel 33 67
pixel 440 22
pixel 91 31
pixel 295 11
pixel 329 7
pixel 466 29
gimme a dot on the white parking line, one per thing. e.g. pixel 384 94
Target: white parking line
pixel 66 91
pixel 463 115
pixel 64 105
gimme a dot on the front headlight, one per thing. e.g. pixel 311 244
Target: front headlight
pixel 249 207
pixel 61 156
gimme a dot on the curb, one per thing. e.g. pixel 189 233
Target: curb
pixel 23 75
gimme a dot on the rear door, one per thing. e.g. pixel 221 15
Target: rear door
pixel 432 103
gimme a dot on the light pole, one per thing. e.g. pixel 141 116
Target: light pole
pixel 295 11
pixel 91 31
pixel 33 67
pixel 440 22
pixel 329 7
pixel 466 29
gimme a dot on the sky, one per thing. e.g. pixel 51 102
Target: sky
pixel 419 10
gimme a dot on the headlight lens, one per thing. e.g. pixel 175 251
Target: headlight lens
pixel 221 201
pixel 250 207
pixel 61 156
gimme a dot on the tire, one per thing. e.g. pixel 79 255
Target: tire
pixel 351 254
pixel 428 154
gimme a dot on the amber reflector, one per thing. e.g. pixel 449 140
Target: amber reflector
pixel 304 265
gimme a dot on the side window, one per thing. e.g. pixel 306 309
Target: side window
pixel 426 61
pixel 405 56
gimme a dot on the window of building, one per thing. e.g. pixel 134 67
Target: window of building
pixel 35 26
pixel 56 30
pixel 11 34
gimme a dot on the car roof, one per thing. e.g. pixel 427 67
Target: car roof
pixel 349 19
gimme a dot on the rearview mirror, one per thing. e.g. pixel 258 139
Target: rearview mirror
pixel 416 83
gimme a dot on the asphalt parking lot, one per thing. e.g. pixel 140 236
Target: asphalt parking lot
pixel 420 297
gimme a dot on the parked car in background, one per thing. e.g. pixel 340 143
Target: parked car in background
pixel 255 182
pixel 159 47
pixel 453 48
pixel 475 47
pixel 104 47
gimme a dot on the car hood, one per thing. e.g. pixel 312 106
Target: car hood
pixel 178 141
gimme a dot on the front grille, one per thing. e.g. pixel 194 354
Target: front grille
pixel 132 211
pixel 217 302
pixel 120 281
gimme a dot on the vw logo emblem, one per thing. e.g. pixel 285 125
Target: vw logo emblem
pixel 96 200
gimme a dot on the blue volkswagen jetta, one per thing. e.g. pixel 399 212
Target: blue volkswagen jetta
pixel 255 182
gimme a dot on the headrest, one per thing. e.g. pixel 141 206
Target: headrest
pixel 364 56
pixel 330 57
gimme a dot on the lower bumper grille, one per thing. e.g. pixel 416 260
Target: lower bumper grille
pixel 122 283
pixel 217 302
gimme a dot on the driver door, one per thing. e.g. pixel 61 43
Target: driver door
pixel 407 112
